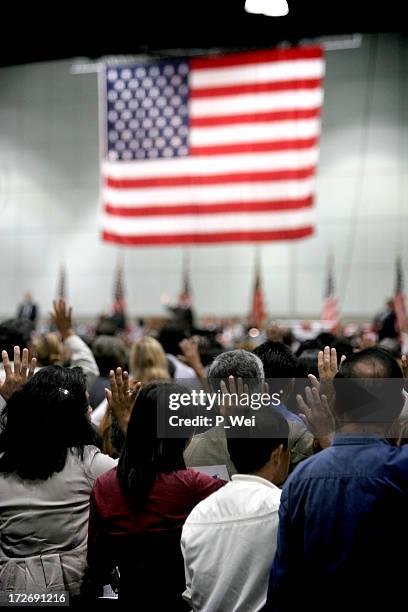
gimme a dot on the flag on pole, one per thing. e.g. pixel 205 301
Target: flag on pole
pixel 118 290
pixel 399 298
pixel 206 150
pixel 186 294
pixel 330 315
pixel 62 283
pixel 258 313
pixel 118 316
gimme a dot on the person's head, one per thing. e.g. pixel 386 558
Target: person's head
pixel 48 349
pixel 28 296
pixel 240 364
pixel 369 390
pixel 274 332
pixel 147 361
pixel 279 365
pixel 344 347
pixel 263 456
pixel 15 332
pixel 145 455
pixel 392 345
pixel 307 363
pixel 325 339
pixel 110 353
pixel 42 420
pixel 170 337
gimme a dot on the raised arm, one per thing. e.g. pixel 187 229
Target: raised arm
pixel 81 354
pixel 16 374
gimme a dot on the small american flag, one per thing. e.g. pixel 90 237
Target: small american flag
pixel 118 289
pixel 399 298
pixel 186 285
pixel 217 149
pixel 330 313
pixel 258 313
pixel 62 283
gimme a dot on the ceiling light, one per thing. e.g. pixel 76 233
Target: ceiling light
pixel 271 8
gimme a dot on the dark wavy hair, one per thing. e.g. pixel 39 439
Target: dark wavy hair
pixel 144 454
pixel 44 419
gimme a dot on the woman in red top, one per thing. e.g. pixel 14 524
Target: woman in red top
pixel 137 510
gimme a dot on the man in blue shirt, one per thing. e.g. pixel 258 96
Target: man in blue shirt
pixel 344 512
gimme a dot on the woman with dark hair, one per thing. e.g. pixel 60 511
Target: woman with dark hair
pixel 48 463
pixel 137 510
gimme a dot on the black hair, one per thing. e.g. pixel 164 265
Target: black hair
pixel 278 362
pixel 307 363
pixel 369 387
pixel 307 345
pixel 15 332
pixel 250 454
pixel 170 337
pixel 44 419
pixel 343 346
pixel 110 353
pixel 144 454
pixel 325 339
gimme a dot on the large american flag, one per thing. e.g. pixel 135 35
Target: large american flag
pixel 217 149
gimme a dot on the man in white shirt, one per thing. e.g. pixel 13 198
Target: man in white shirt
pixel 229 539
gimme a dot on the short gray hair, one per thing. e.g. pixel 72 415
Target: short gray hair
pixel 240 364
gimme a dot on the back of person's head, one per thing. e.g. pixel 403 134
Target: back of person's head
pixel 240 364
pixel 110 353
pixel 306 345
pixel 15 332
pixel 369 388
pixel 170 337
pixel 48 350
pixel 252 453
pixel 392 346
pixel 344 347
pixel 147 361
pixel 145 455
pixel 325 339
pixel 307 363
pixel 44 419
pixel 279 364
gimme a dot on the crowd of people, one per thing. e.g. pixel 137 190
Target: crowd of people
pixel 96 502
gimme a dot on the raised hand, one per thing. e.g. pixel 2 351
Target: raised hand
pixel 327 363
pixel 62 318
pixel 18 374
pixel 236 388
pixel 191 356
pixel 317 416
pixel 404 365
pixel 120 397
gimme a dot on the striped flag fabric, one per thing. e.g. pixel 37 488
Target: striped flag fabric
pixel 399 298
pixel 330 314
pixel 213 149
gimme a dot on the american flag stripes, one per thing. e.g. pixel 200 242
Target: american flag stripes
pixel 217 149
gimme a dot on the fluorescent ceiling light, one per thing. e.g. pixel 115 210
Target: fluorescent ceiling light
pixel 271 8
